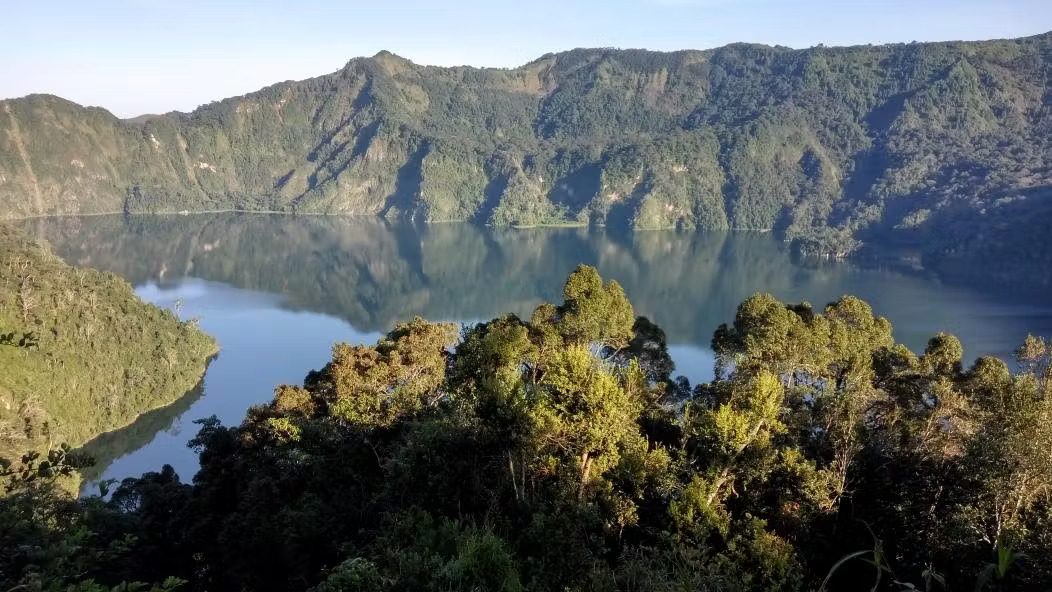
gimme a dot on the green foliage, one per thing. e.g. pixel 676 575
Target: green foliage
pixel 452 185
pixel 54 543
pixel 372 386
pixel 581 415
pixel 546 455
pixel 353 575
pixel 81 354
pixel 484 562
pixel 593 312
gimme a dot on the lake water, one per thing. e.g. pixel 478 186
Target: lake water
pixel 278 291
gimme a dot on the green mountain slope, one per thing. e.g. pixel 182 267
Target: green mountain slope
pixel 80 354
pixel 942 146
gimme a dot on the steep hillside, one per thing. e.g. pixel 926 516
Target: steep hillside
pixel 80 354
pixel 941 146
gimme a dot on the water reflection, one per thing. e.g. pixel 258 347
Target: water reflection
pixel 278 290
pixel 372 273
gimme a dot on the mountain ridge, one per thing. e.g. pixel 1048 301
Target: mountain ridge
pixel 924 145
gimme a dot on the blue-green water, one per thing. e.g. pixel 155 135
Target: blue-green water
pixel 278 291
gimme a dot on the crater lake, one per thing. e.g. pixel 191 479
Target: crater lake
pixel 277 291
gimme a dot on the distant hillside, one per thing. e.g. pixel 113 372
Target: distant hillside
pixel 944 147
pixel 80 354
pixel 142 119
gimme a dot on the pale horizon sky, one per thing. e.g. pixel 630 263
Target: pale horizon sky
pixel 152 56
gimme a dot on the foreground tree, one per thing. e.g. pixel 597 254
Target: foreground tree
pixel 557 454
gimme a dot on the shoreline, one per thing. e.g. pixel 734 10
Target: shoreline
pixel 77 480
pixel 182 393
pixel 378 216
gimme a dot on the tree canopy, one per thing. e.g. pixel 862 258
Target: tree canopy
pixel 557 453
pixel 80 354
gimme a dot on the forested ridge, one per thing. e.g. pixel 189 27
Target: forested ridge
pixel 941 147
pixel 80 354
pixel 556 453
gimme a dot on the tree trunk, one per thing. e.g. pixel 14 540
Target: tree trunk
pixel 717 485
pixel 586 468
pixel 511 471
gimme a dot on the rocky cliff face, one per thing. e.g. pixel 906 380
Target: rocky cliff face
pixel 923 144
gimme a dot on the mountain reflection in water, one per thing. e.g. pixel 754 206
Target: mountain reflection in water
pixel 277 291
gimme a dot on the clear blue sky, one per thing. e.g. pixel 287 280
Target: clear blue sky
pixel 148 56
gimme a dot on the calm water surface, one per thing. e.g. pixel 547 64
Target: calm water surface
pixel 278 291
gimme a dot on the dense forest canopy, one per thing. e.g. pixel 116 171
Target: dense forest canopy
pixel 557 453
pixel 939 146
pixel 80 354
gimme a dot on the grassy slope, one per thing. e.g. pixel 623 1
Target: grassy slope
pixel 102 358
